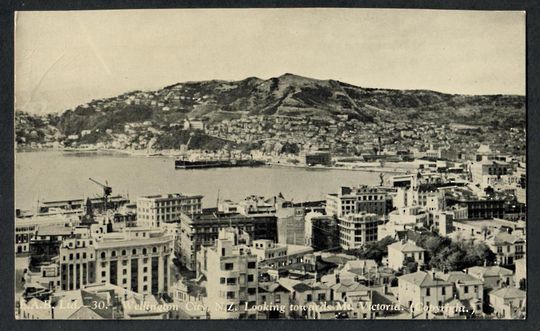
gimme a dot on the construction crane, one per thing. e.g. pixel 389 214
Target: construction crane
pixel 107 190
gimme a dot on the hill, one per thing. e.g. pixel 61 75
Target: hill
pixel 288 95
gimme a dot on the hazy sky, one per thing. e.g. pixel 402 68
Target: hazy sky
pixel 67 58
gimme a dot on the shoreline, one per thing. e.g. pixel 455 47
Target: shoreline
pixel 358 167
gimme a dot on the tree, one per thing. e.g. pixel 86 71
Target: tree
pixel 410 265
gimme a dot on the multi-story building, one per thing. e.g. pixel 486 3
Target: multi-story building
pixel 272 255
pixel 481 170
pixel 468 289
pixel 507 247
pixel 477 208
pixel 399 251
pixel 136 258
pixel 508 302
pixel 24 231
pixel 153 210
pixel 352 200
pixel 232 277
pixel 356 230
pixel 419 290
pixel 202 230
pixel 322 231
pixel 290 225
pixel 77 261
pixel 493 277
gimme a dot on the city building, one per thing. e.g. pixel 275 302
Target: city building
pixel 352 200
pixel 274 256
pixel 358 229
pixel 232 276
pixel 153 210
pixel 318 158
pixel 321 231
pixel 202 230
pixel 24 231
pixel 290 224
pixel 138 259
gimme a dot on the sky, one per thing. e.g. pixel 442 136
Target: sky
pixel 67 58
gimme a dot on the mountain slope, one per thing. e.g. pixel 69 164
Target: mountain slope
pixel 290 95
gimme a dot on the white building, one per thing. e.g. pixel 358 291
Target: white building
pixel 232 277
pixel 153 210
pixel 356 230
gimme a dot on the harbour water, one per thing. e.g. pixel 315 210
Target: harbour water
pixel 55 175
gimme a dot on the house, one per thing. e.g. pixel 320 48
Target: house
pixel 493 277
pixel 467 288
pixel 276 296
pixel 508 247
pixel 399 251
pixel 508 302
pixel 419 290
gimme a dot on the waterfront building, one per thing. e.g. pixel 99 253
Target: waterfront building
pixel 78 205
pixel 358 229
pixel 153 210
pixel 318 158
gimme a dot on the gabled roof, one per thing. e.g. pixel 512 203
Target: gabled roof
pixel 271 287
pixel 509 293
pixel 490 271
pixel 423 279
pixel 504 238
pixel 459 277
pixel 406 247
pixel 301 287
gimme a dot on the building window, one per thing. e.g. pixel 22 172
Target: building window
pixel 252 265
pixel 252 290
pixel 427 292
pixel 230 295
pixel 466 289
pixel 222 280
pixel 229 266
pixel 444 290
pixel 250 278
